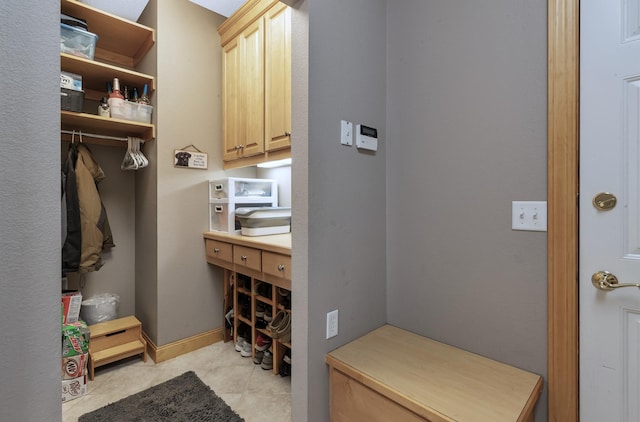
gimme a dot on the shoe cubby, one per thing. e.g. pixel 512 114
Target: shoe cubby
pixel 256 305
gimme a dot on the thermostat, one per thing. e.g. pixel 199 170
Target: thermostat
pixel 366 137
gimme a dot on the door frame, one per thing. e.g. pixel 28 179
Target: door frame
pixel 563 67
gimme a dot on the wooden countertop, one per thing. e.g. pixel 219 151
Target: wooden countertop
pixel 278 243
pixel 435 380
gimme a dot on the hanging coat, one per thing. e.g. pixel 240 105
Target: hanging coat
pixel 95 233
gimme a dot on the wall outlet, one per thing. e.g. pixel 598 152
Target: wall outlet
pixel 332 324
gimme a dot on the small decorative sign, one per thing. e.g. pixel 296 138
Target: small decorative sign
pixel 190 157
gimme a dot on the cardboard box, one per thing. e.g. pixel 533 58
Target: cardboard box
pixel 74 388
pixel 71 303
pixel 75 339
pixel 74 366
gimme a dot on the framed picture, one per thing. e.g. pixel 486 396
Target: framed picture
pixel 189 159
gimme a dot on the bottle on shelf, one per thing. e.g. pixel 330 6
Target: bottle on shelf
pixel 109 89
pixel 116 100
pixel 134 94
pixel 144 98
pixel 125 93
pixel 103 108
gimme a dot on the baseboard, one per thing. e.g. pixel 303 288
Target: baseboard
pixel 180 347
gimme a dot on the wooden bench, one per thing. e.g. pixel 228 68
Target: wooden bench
pixel 393 375
pixel 115 340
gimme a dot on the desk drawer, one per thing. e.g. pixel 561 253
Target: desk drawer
pixel 276 264
pixel 247 257
pixel 219 250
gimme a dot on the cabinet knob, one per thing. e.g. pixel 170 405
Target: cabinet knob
pixel 216 250
pixel 280 267
pixel 243 257
pixel 287 133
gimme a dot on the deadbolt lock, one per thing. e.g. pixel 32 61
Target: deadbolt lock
pixel 605 201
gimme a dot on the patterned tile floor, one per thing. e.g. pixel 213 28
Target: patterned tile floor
pixel 254 393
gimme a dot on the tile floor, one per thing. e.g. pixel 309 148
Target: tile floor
pixel 254 393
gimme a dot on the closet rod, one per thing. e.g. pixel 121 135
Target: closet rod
pixel 93 135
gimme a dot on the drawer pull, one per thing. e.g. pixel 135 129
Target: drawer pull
pixel 280 267
pixel 216 250
pixel 243 257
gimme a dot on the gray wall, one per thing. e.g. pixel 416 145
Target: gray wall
pixel 466 122
pixel 30 239
pixel 463 133
pixel 346 187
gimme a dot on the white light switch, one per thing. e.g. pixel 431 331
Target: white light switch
pixel 529 215
pixel 346 132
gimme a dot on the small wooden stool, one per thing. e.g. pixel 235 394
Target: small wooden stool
pixel 115 340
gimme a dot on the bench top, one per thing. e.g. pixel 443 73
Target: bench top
pixel 435 379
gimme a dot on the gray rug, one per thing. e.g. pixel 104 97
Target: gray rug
pixel 182 399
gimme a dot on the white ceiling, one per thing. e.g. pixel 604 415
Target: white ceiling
pixel 221 7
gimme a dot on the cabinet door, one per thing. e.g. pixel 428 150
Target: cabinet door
pixel 278 77
pixel 231 112
pixel 252 80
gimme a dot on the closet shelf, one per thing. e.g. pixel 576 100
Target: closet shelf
pixel 95 75
pixel 91 123
pixel 120 41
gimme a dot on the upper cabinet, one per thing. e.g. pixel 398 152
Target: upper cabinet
pixel 120 47
pixel 256 72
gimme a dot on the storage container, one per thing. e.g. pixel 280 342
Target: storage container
pixel 236 189
pixel 71 100
pixel 222 216
pixel 132 111
pixel 228 194
pixel 77 42
pixel 263 221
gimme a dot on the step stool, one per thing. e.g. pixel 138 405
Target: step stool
pixel 115 340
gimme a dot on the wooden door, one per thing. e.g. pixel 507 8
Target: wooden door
pixel 278 77
pixel 252 79
pixel 609 230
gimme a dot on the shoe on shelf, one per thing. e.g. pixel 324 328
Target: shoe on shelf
pixel 257 357
pixel 268 316
pixel 267 360
pixel 262 342
pixel 284 330
pixel 277 322
pixel 246 350
pixel 257 288
pixel 260 310
pixel 285 366
pixel 261 323
pixel 240 342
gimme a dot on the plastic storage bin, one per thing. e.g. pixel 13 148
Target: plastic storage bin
pixel 133 111
pixel 77 42
pixel 99 308
pixel 71 100
pixel 222 213
pixel 236 189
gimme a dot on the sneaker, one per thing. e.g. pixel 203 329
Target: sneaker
pixel 267 314
pixel 260 310
pixel 246 350
pixel 257 357
pixel 267 360
pixel 285 366
pixel 261 323
pixel 240 342
pixel 262 342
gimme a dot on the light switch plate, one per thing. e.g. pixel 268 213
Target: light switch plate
pixel 529 215
pixel 346 133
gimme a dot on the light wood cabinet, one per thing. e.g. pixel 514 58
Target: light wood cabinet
pixel 256 91
pixel 247 263
pixel 278 77
pixel 120 47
